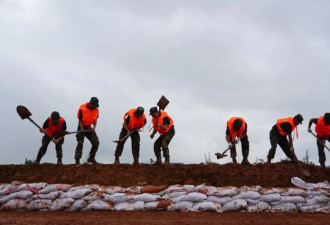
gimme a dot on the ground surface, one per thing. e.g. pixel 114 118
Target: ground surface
pixel 274 175
pixel 160 218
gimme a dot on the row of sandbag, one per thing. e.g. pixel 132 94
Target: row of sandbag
pixel 44 197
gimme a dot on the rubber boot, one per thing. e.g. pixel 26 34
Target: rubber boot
pixel 77 161
pixel 136 161
pixel 245 161
pixel 322 164
pixel 158 161
pixel 91 159
pixel 167 161
pixel 234 161
pixel 269 160
pixel 117 162
pixel 59 161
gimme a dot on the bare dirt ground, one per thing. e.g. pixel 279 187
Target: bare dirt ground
pixel 160 218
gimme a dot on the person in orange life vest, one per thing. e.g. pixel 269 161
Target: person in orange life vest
pixel 322 129
pixel 163 124
pixel 134 119
pixel 237 127
pixel 51 125
pixel 278 135
pixel 88 114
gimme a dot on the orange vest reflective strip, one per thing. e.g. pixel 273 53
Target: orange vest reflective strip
pixel 233 133
pixel 161 122
pixel 321 129
pixel 134 122
pixel 286 120
pixel 89 116
pixel 53 127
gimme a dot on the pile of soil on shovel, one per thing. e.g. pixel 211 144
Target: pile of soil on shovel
pixel 274 175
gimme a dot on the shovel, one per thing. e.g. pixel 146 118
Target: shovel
pixel 124 138
pixel 222 155
pixel 301 170
pixel 162 103
pixel 320 141
pixel 61 133
pixel 24 113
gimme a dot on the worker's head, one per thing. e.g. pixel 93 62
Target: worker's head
pixel 154 112
pixel 94 103
pixel 298 119
pixel 139 112
pixel 326 118
pixel 55 117
pixel 237 124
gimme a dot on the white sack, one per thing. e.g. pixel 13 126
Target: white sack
pixel 111 189
pixel 251 188
pixel 42 204
pixel 295 192
pixel 146 197
pixel 16 195
pixel 247 195
pixel 183 206
pixel 35 187
pixel 78 205
pixel 290 199
pixel 118 198
pixel 126 206
pixel 55 187
pixel 284 207
pixel 159 205
pixel 226 191
pixel 8 189
pixel 235 205
pixel 50 196
pixel 220 200
pixel 94 196
pixel 99 205
pixel 206 206
pixel 15 204
pixel 191 197
pixel 207 190
pixel 271 197
pixel 259 207
pixel 266 191
pixel 175 194
pixel 309 208
pixel 77 194
pixel 325 209
pixel 61 204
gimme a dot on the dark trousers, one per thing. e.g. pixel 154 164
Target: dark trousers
pixel 92 137
pixel 245 148
pixel 162 142
pixel 320 148
pixel 45 142
pixel 135 137
pixel 282 141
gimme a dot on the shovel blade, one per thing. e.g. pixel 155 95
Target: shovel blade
pixel 163 102
pixel 23 112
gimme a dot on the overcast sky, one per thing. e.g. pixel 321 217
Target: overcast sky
pixel 261 60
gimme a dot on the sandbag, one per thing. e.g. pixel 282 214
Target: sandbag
pixel 41 204
pixel 153 189
pixel 118 198
pixel 133 190
pixel 325 209
pixel 266 191
pixel 284 207
pixel 55 187
pixel 111 189
pixel 226 191
pixel 290 199
pixel 159 205
pixel 176 188
pixel 207 190
pixel 94 196
pixel 309 208
pixel 295 192
pixel 34 187
pixel 183 206
pixel 16 195
pixel 235 205
pixel 256 188
pixel 191 197
pixel 99 205
pixel 78 205
pixel 247 195
pixel 270 197
pixel 93 187
pixel 206 206
pixel 174 194
pixel 15 204
pixel 259 207
pixel 220 200
pixel 77 194
pixel 252 201
pixel 61 204
pixel 302 184
pixel 146 197
pixel 8 189
pixel 129 206
pixel 50 196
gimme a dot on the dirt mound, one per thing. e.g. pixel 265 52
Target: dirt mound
pixel 277 174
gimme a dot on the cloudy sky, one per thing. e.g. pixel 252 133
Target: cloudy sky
pixel 261 60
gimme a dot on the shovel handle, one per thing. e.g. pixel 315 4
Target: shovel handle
pixel 320 141
pixel 41 128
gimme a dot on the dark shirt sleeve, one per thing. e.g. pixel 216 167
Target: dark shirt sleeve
pixel 45 124
pixel 166 121
pixel 80 115
pixel 127 120
pixel 245 129
pixel 286 127
pixel 227 131
pixel 314 120
pixel 64 125
pixel 145 121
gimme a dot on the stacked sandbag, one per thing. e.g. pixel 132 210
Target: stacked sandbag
pixel 305 197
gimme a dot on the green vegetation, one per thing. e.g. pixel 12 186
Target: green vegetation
pixel 29 161
pixel 207 159
pixel 306 159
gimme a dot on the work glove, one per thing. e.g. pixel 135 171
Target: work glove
pixel 41 130
pixel 309 130
pixel 152 136
pixel 291 149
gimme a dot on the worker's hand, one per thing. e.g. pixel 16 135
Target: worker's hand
pixel 152 136
pixel 92 128
pixel 291 149
pixel 309 130
pixel 42 130
pixel 236 141
pixel 56 141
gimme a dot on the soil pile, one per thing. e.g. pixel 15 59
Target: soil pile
pixel 274 175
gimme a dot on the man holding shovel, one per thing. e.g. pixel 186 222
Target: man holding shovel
pixel 237 127
pixel 134 119
pixel 52 124
pixel 322 129
pixel 88 114
pixel 278 135
pixel 163 124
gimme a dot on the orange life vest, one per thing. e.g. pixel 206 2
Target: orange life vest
pixel 289 120
pixel 53 127
pixel 161 122
pixel 235 133
pixel 89 116
pixel 134 122
pixel 321 129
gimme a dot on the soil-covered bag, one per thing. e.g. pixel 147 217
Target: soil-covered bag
pixel 302 184
pixel 94 196
pixel 247 195
pixel 235 205
pixel 284 207
pixel 174 194
pixel 129 206
pixel 16 195
pixel 183 206
pixel 295 192
pixel 272 190
pixel 153 189
pixel 34 187
pixel 226 191
pixel 256 188
pixel 111 189
pixel 207 190
pixel 179 188
pixel 275 197
pixel 61 204
pixel 259 207
pixel 118 198
pixel 220 200
pixel 146 197
pixel 159 205
pixel 55 187
pixel 8 189
pixel 50 196
pixel 78 205
pixel 15 204
pixel 99 205
pixel 41 204
pixel 191 197
pixel 77 193
pixel 206 206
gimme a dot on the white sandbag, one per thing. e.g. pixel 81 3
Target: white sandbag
pixel 175 188
pixel 259 207
pixel 247 195
pixel 183 206
pixel 295 192
pixel 118 198
pixel 94 196
pixel 15 204
pixel 41 204
pixel 99 205
pixel 207 190
pixel 284 207
pixel 252 201
pixel 309 208
pixel 226 191
pixel 133 190
pixel 145 197
pixel 256 188
pixel 235 205
pixel 61 204
pixel 159 205
pixel 2 186
pixel 290 199
pixel 270 197
pixel 316 200
pixel 8 189
pixel 110 189
pixel 302 184
pixel 191 197
pixel 129 206
pixel 94 187
pixel 35 187
pixel 176 194
pixel 325 209
pixel 16 195
pixel 78 205
pixel 50 196
pixel 77 194
pixel 206 206
pixel 55 187
pixel 316 192
pixel 220 200
pixel 266 191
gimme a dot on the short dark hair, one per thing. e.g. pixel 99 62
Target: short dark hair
pixel 299 118
pixel 55 115
pixel 94 102
pixel 153 110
